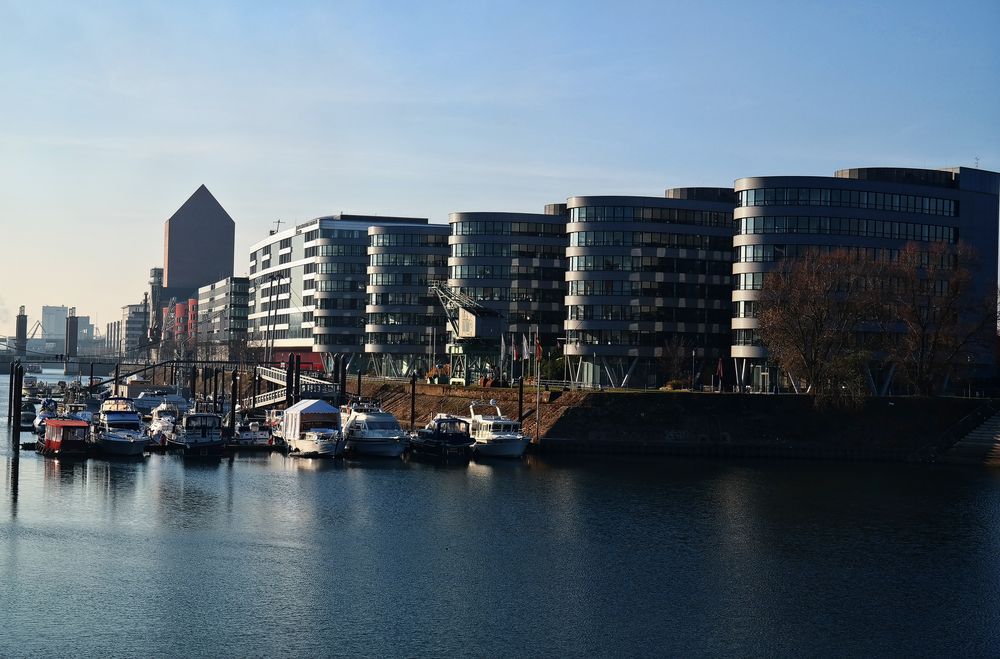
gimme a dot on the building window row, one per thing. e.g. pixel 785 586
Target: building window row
pixel 648 239
pixel 508 250
pixel 848 226
pixel 747 337
pixel 767 252
pixel 401 299
pixel 505 272
pixel 339 286
pixel 646 313
pixel 748 281
pixel 336 250
pixel 343 303
pixel 503 228
pixel 660 289
pixel 512 294
pixel 399 279
pixel 847 198
pixel 615 263
pixel 746 309
pixel 338 339
pixel 398 259
pixel 636 338
pixel 340 268
pixel 339 321
pixel 407 240
pixel 420 319
pixel 701 218
pixel 398 338
pixel 342 233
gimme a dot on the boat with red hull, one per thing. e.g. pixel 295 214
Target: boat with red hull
pixel 63 437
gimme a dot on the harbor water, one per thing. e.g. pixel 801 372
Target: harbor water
pixel 265 555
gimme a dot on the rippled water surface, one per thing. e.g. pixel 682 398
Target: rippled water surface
pixel 264 555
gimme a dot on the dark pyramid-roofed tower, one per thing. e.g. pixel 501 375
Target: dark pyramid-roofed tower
pixel 198 243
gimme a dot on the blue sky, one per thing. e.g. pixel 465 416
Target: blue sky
pixel 112 113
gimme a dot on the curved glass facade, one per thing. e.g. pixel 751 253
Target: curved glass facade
pixel 648 282
pixel 872 213
pixel 514 263
pixel 405 326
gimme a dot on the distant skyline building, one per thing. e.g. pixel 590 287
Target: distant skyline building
pixel 198 244
pixel 54 323
pixel 875 211
pixel 222 317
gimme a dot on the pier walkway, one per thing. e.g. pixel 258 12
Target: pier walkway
pixel 981 446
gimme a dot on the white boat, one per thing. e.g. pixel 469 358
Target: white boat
pixel 199 434
pixel 370 430
pixel 495 435
pixel 251 433
pixel 164 418
pixel 147 401
pixel 118 429
pixel 311 428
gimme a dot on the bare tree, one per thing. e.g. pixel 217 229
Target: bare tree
pixel 813 315
pixel 943 317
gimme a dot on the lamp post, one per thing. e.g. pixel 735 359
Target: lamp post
pixel 692 369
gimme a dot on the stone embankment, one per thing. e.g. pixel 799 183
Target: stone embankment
pixel 898 429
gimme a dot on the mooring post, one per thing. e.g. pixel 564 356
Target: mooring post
pixel 18 383
pixel 289 381
pixel 256 384
pixel 359 383
pixel 90 382
pixel 343 376
pixel 520 398
pixel 232 404
pixel 204 383
pixel 215 390
pixel 10 397
pixel 413 400
pixel 298 378
pixel 118 367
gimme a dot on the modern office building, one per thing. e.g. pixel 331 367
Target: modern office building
pixel 648 287
pixel 515 264
pixel 54 325
pixel 198 242
pixel 405 325
pixel 874 210
pixel 222 318
pixel 134 326
pixel 308 288
pixel 113 337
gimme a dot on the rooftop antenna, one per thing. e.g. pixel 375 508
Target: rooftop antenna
pixel 976 160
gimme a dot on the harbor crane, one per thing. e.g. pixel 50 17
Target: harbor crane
pixel 475 334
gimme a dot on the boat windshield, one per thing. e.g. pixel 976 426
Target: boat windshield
pixel 124 425
pixel 199 422
pixel 504 427
pixel 382 425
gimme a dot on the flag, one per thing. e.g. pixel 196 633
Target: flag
pixel 538 348
pixel 513 346
pixel 503 350
pixel 524 347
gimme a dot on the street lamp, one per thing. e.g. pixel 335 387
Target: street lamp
pixel 692 369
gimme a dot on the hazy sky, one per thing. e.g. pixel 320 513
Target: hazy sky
pixel 112 113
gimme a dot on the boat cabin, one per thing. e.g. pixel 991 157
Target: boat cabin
pixel 64 437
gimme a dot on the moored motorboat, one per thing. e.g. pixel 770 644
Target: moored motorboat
pixel 495 435
pixel 27 416
pixel 445 436
pixel 370 430
pixel 198 434
pixel 63 437
pixel 164 417
pixel 118 429
pixel 311 428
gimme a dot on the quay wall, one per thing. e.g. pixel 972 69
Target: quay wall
pixel 684 423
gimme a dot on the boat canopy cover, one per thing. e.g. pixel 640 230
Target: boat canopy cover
pixel 65 423
pixel 313 406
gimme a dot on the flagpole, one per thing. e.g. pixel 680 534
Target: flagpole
pixel 538 391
